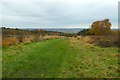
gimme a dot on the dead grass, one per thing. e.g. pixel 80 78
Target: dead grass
pixel 74 41
pixel 47 37
pixel 104 41
pixel 7 41
pixel 116 55
pixel 26 40
pixel 87 39
pixel 107 41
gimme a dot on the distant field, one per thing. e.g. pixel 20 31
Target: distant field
pixel 59 58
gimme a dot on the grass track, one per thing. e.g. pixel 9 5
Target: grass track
pixel 59 58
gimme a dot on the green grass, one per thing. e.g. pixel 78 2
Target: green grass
pixel 59 58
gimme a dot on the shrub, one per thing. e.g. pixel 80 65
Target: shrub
pixel 106 41
pixel 84 32
pixel 9 41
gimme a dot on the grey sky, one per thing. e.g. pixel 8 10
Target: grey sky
pixel 57 13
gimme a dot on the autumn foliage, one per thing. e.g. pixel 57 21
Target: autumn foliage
pixel 100 27
pixel 101 34
pixel 15 36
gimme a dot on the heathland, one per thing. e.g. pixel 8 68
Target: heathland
pixel 90 53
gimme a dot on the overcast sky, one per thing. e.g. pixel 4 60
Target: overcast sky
pixel 57 13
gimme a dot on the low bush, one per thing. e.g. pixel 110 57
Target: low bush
pixel 111 39
pixel 7 41
pixel 104 41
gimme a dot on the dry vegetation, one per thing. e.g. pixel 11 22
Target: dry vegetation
pixel 8 41
pixel 103 40
pixel 15 36
pixel 101 34
pixel 60 58
pixel 70 57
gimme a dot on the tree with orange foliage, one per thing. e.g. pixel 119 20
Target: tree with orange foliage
pixel 100 27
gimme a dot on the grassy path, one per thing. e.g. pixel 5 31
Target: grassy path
pixel 59 58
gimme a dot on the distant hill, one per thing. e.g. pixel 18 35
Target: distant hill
pixel 66 30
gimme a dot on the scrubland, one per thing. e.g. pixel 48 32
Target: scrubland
pixel 60 58
pixel 91 53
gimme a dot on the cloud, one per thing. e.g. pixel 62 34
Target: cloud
pixel 57 13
